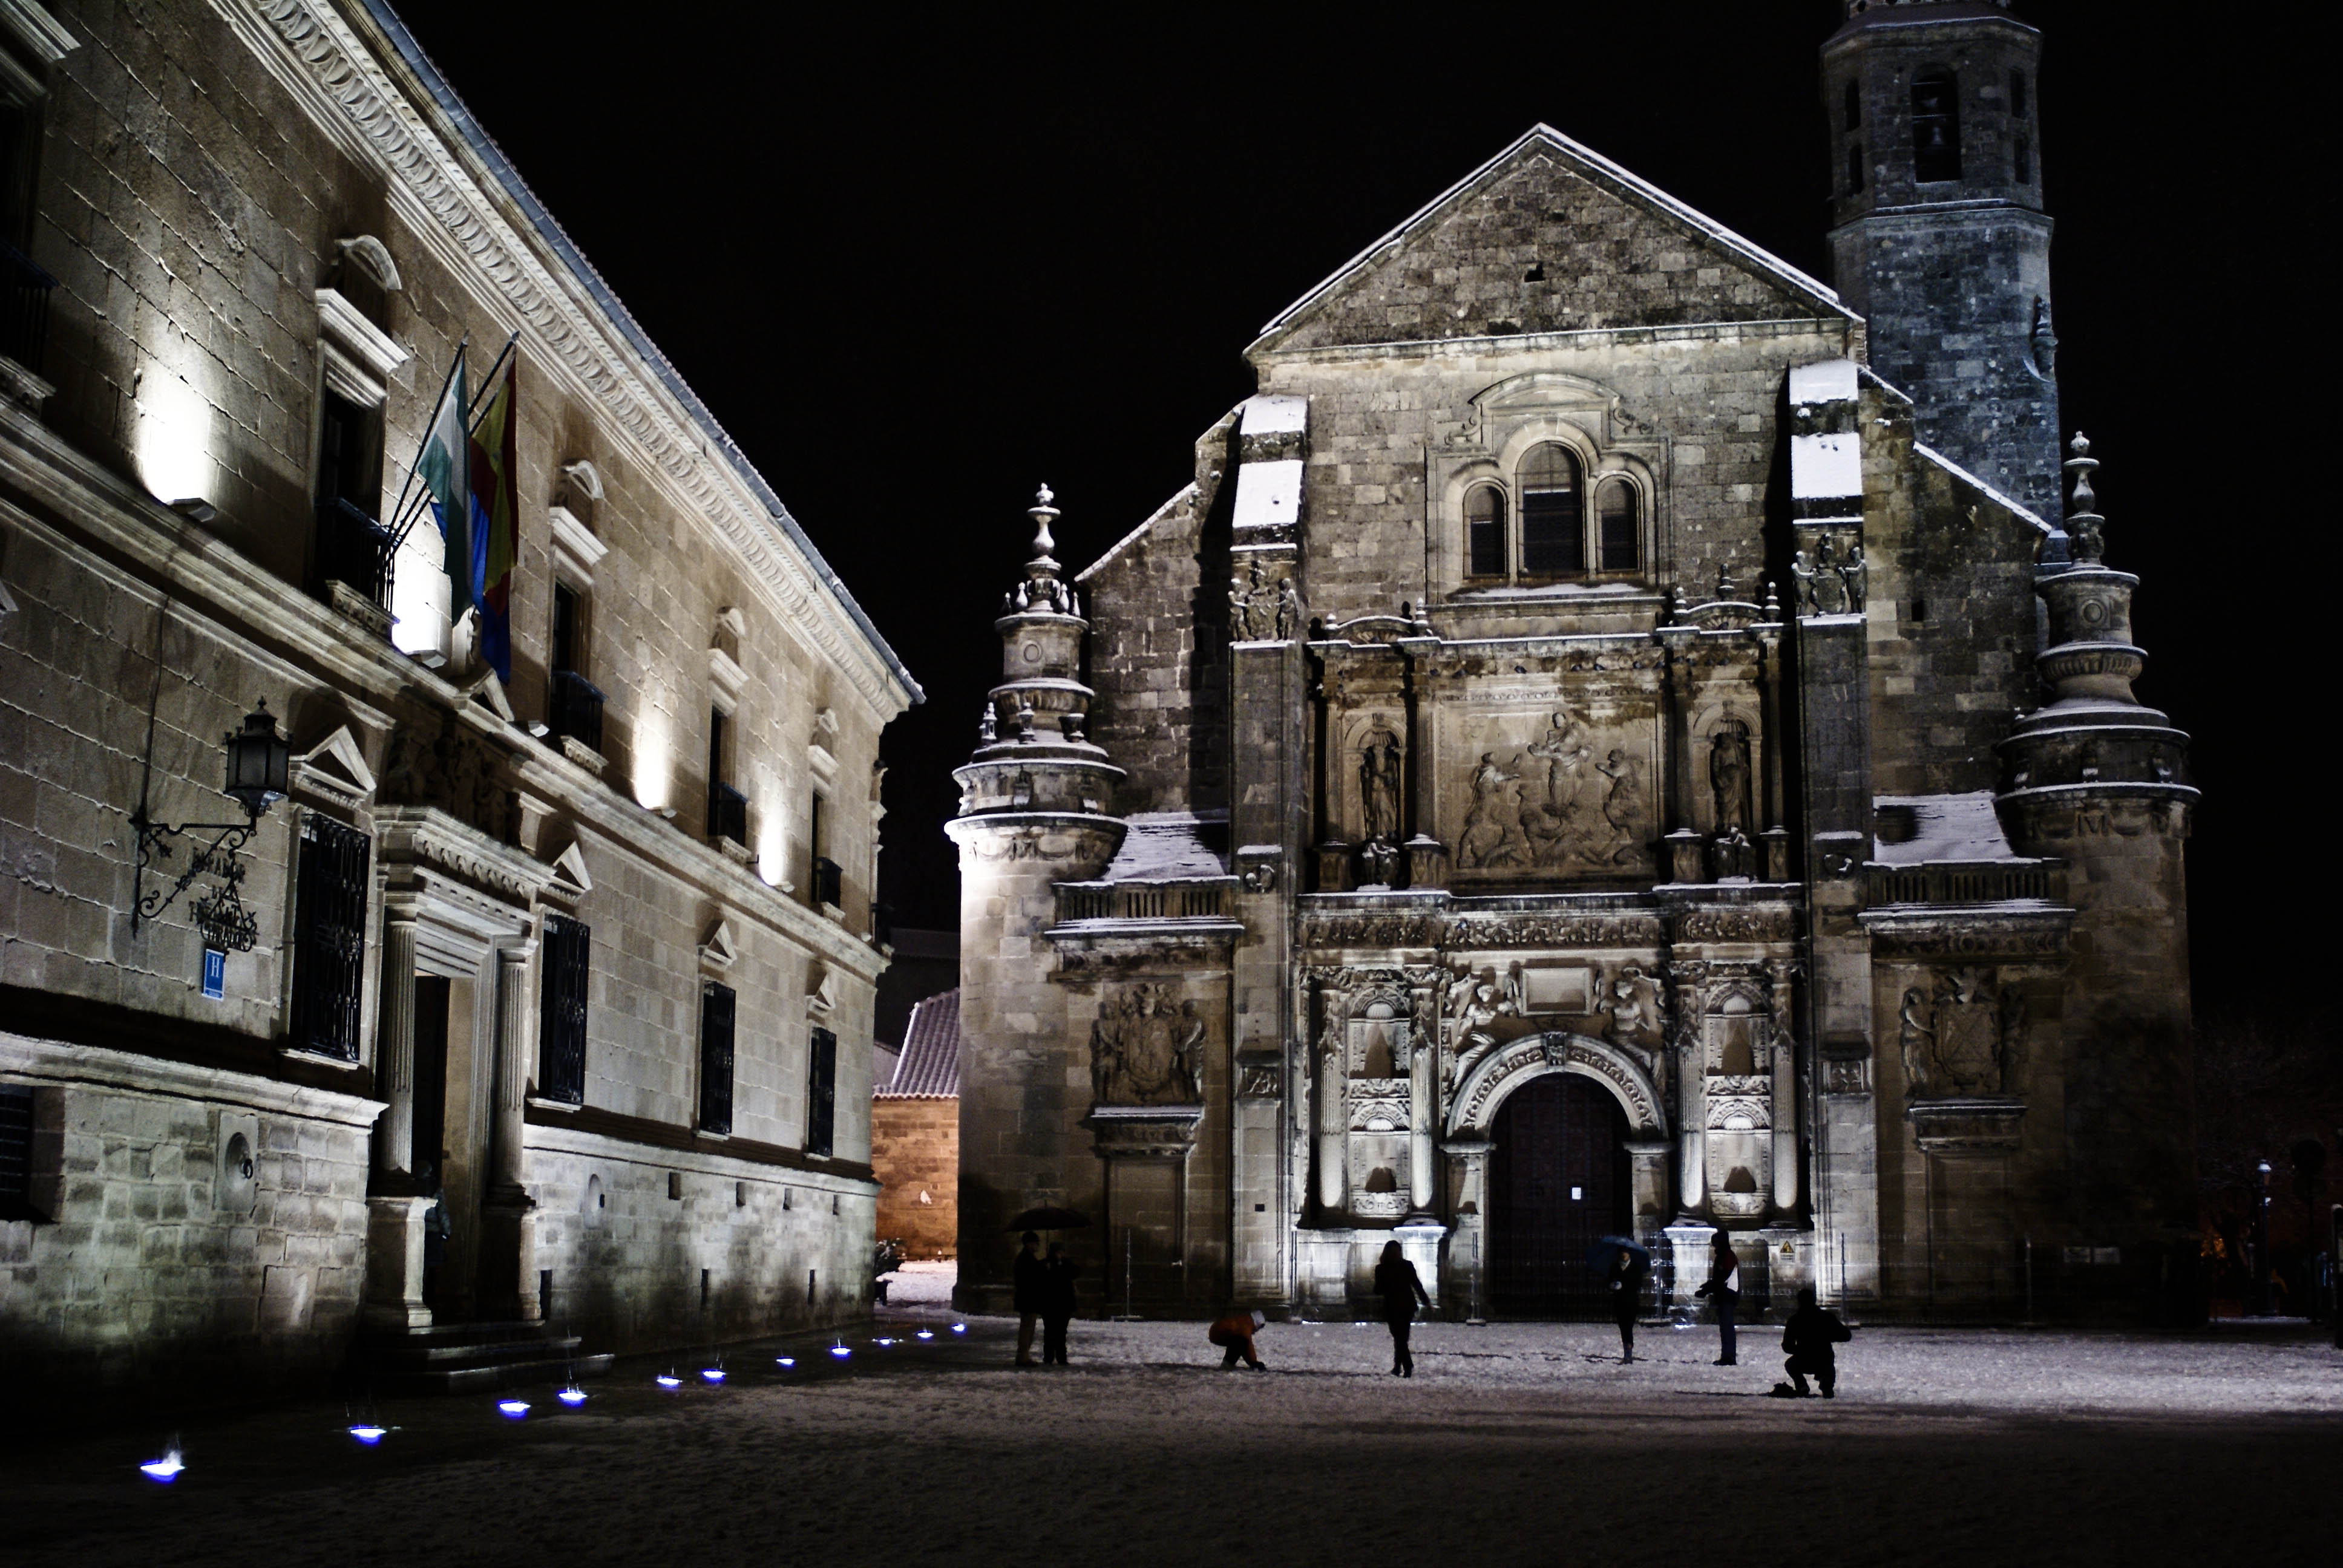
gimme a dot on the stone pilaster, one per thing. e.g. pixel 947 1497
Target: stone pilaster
pixel 508 1253
pixel 394 1136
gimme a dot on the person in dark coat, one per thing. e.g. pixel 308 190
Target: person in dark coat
pixel 1233 1334
pixel 1396 1282
pixel 1058 1272
pixel 1809 1338
pixel 1025 1281
pixel 1629 1269
pixel 1724 1288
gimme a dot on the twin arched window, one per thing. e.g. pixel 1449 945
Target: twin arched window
pixel 1553 541
pixel 1935 127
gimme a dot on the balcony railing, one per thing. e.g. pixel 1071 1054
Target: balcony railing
pixel 728 814
pixel 1953 882
pixel 827 882
pixel 354 549
pixel 1197 900
pixel 573 711
pixel 24 308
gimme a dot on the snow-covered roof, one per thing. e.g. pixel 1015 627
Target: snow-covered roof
pixel 1943 828
pixel 928 1068
pixel 1163 846
pixel 1754 255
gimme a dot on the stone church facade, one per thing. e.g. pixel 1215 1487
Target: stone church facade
pixel 581 963
pixel 1618 736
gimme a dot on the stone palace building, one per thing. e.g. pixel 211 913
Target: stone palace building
pixel 490 1014
pixel 1619 737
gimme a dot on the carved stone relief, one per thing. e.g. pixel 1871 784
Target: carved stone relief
pixel 1635 1009
pixel 437 760
pixel 1567 797
pixel 1964 1033
pixel 1147 1048
pixel 1830 571
pixel 1264 605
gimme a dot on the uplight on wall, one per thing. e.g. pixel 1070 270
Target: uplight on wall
pixel 174 438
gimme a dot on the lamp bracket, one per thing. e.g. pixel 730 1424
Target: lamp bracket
pixel 219 914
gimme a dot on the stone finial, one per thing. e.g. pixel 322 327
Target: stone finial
pixel 1044 514
pixel 1773 602
pixel 2083 518
pixel 987 728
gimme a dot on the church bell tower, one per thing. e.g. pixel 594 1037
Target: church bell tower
pixel 1938 237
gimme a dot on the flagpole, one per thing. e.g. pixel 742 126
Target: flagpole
pixel 457 359
pixel 489 380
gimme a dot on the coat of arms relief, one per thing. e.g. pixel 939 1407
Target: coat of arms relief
pixel 1964 1034
pixel 1147 1048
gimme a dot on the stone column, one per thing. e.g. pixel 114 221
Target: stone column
pixel 1691 1092
pixel 394 1048
pixel 508 1237
pixel 1422 1109
pixel 1463 1282
pixel 1786 1096
pixel 1333 1115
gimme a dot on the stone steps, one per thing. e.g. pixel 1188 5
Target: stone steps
pixel 469 1358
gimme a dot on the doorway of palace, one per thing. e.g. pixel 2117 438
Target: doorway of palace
pixel 1558 1180
pixel 431 1004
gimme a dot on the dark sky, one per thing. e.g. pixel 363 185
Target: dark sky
pixel 917 266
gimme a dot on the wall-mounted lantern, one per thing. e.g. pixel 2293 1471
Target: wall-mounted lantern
pixel 259 769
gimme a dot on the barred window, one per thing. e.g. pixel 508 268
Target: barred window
pixel 718 1004
pixel 329 937
pixel 1485 531
pixel 1554 537
pixel 1619 525
pixel 822 1092
pixel 562 1034
pixel 15 1151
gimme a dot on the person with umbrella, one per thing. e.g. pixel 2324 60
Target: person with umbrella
pixel 1058 1272
pixel 1630 1265
pixel 1396 1282
pixel 1025 1295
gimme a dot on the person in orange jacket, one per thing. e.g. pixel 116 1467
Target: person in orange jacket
pixel 1234 1333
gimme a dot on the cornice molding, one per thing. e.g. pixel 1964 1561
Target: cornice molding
pixel 319 56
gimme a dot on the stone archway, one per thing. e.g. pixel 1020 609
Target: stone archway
pixel 1471 1118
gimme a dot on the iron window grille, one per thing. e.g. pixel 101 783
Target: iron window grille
pixel 561 1033
pixel 24 308
pixel 717 1007
pixel 727 813
pixel 329 937
pixel 828 881
pixel 15 1152
pixel 576 710
pixel 821 1093
pixel 355 550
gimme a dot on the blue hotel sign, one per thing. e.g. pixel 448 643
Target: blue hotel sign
pixel 215 973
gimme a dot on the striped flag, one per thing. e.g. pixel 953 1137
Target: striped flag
pixel 445 470
pixel 495 516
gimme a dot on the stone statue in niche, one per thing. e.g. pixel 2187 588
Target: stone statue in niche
pixel 1378 863
pixel 1728 774
pixel 1962 1035
pixel 1492 833
pixel 1379 784
pixel 1634 1010
pixel 1147 1049
pixel 1735 856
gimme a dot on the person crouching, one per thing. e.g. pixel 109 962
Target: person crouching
pixel 1809 1338
pixel 1233 1334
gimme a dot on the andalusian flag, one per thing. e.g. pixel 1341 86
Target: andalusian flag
pixel 445 470
pixel 496 515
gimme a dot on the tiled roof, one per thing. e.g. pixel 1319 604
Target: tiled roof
pixel 929 1068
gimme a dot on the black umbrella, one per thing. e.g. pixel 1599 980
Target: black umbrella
pixel 1600 1253
pixel 1049 1219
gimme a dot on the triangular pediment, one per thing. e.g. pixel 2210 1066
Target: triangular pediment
pixel 490 693
pixel 719 950
pixel 1549 236
pixel 335 769
pixel 569 880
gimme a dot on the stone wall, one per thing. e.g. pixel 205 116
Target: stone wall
pixel 915 1156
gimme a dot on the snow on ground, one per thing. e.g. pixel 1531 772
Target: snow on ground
pixel 1515 1442
pixel 921 1285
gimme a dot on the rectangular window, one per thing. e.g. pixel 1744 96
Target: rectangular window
pixel 329 937
pixel 561 1033
pixel 827 881
pixel 353 547
pixel 727 808
pixel 1553 542
pixel 1615 515
pixel 565 648
pixel 718 1005
pixel 822 1092
pixel 15 1152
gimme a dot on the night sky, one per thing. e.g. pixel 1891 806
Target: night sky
pixel 918 266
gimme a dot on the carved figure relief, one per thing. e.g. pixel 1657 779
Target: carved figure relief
pixel 1830 577
pixel 1262 606
pixel 1635 1009
pixel 1147 1049
pixel 437 762
pixel 1728 774
pixel 1963 1034
pixel 1493 828
pixel 1378 785
pixel 1561 802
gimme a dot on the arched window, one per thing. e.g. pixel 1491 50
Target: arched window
pixel 1485 531
pixel 1935 127
pixel 1554 530
pixel 1855 169
pixel 1851 117
pixel 1618 526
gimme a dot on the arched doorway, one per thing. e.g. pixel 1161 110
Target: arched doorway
pixel 1558 1180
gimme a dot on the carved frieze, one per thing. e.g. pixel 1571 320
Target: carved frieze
pixel 1737 923
pixel 1349 930
pixel 1620 930
pixel 1974 936
pixel 436 760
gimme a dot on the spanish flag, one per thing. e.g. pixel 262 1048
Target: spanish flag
pixel 496 515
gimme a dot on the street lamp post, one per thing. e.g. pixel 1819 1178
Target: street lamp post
pixel 2258 1248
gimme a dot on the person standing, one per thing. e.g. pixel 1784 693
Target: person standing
pixel 1058 1272
pixel 1025 1283
pixel 1396 1282
pixel 1724 1288
pixel 1629 1269
pixel 1810 1339
pixel 1233 1334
